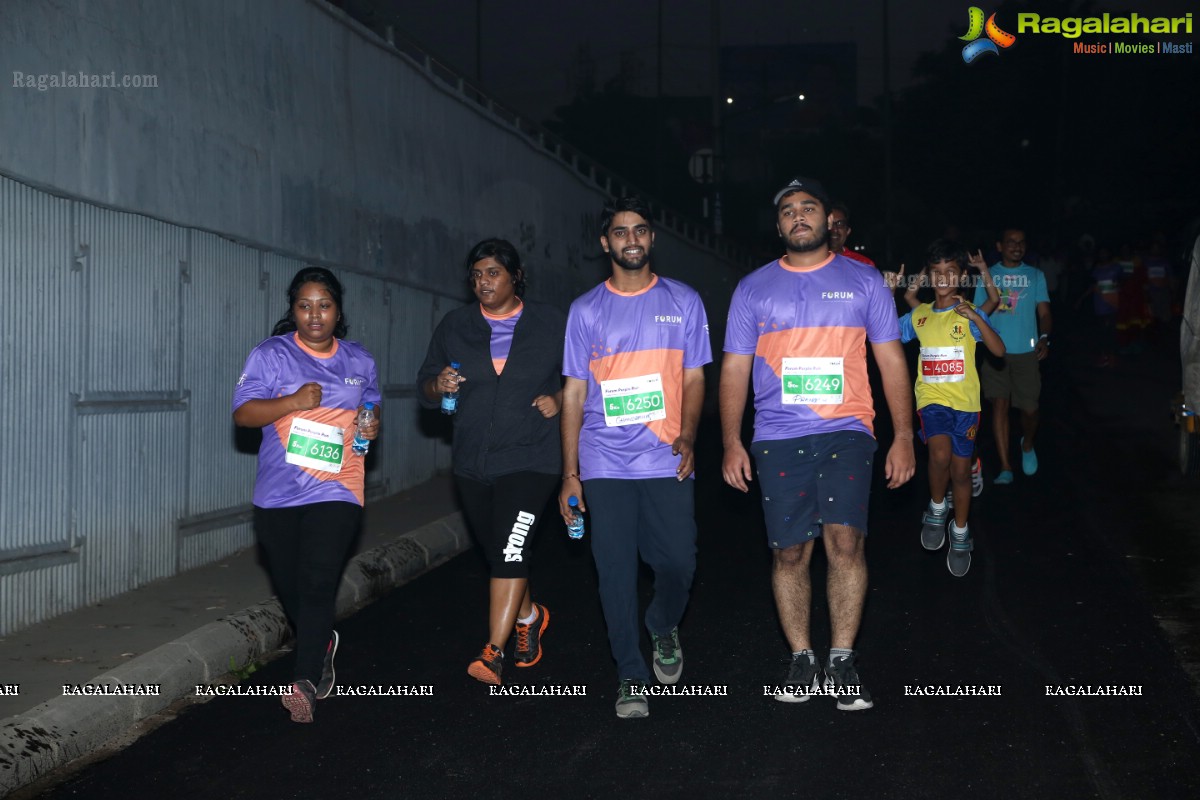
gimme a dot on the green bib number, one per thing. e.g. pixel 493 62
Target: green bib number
pixel 315 449
pixel 632 404
pixel 812 384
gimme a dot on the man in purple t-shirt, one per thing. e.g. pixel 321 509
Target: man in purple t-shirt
pixel 799 326
pixel 633 359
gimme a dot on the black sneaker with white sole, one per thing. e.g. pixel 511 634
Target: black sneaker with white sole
pixel 802 682
pixel 842 681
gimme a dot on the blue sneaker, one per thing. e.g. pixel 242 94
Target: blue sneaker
pixel 1004 478
pixel 1028 460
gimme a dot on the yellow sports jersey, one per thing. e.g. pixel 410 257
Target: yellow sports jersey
pixel 946 373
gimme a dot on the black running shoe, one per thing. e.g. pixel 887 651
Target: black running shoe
pixel 841 679
pixel 328 676
pixel 802 682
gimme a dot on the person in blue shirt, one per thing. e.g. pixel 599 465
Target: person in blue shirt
pixel 1023 321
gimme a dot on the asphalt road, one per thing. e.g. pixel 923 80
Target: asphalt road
pixel 1069 575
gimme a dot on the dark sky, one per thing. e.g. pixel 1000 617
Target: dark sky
pixel 528 46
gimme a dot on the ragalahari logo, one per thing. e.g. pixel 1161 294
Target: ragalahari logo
pixel 995 40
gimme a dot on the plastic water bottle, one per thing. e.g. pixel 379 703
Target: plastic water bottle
pixel 360 445
pixel 450 399
pixel 575 529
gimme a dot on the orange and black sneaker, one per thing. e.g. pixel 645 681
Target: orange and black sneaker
pixel 529 637
pixel 488 665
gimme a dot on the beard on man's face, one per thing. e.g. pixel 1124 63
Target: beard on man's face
pixel 798 244
pixel 630 263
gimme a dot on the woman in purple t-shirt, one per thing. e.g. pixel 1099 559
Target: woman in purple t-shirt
pixel 304 387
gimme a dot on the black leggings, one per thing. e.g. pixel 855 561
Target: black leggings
pixel 504 514
pixel 306 548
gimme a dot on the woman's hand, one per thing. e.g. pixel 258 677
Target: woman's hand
pixel 307 397
pixel 547 405
pixel 371 429
pixel 448 380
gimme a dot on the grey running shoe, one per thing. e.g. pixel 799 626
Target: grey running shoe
pixel 328 676
pixel 933 528
pixel 300 701
pixel 631 703
pixel 668 656
pixel 977 478
pixel 802 682
pixel 841 679
pixel 958 557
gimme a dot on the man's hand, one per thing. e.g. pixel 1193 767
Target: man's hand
pixel 1042 349
pixel 570 486
pixel 735 467
pixel 901 463
pixel 684 447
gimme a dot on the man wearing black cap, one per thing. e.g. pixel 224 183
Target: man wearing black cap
pixel 798 326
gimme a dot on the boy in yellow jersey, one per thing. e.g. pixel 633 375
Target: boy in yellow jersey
pixel 947 391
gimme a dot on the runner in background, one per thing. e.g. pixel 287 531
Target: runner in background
pixel 947 392
pixel 1024 322
pixel 839 232
pixel 984 279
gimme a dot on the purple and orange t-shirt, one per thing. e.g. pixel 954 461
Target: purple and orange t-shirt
pixel 502 326
pixel 305 457
pixel 632 349
pixel 807 328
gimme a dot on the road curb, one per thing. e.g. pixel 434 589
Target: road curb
pixel 48 736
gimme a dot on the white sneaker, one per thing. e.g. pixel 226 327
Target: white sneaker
pixel 976 479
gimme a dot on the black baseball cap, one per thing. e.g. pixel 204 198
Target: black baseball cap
pixel 808 185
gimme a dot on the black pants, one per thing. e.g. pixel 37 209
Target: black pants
pixel 306 548
pixel 504 515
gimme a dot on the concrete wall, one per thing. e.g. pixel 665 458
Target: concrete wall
pixel 148 231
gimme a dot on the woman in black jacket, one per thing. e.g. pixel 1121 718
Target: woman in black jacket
pixel 507 461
